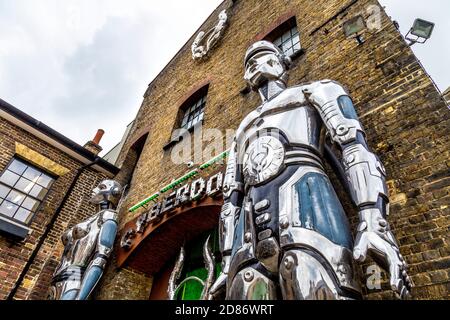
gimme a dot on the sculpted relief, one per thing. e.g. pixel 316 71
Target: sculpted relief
pixel 205 41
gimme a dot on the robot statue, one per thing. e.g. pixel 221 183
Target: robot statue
pixel 283 229
pixel 87 247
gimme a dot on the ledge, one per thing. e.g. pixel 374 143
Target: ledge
pixel 180 138
pixel 14 229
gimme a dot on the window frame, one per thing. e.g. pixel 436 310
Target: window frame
pixel 279 31
pixel 33 213
pixel 197 100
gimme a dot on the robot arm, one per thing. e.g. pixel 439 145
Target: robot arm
pixel 365 175
pixel 233 193
pixel 105 243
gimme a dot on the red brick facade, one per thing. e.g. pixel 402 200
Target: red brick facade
pixel 405 117
pixel 14 253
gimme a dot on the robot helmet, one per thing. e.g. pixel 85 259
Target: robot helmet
pixel 107 191
pixel 268 47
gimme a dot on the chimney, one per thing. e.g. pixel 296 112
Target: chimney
pixel 94 145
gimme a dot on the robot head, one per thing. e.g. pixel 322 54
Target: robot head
pixel 108 191
pixel 263 62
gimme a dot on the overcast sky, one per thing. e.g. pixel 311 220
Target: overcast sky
pixel 80 65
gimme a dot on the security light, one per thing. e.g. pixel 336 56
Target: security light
pixel 354 27
pixel 422 31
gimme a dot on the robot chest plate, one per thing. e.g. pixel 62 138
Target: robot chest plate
pixel 263 159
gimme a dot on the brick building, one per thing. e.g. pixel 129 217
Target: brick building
pixel 405 118
pixel 45 181
pixel 446 95
pixel 404 115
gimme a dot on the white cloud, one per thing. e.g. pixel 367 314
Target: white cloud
pixel 78 65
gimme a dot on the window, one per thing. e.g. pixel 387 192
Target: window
pixel 194 113
pixel 286 37
pixel 22 189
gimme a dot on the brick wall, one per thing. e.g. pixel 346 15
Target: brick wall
pixel 14 254
pixel 406 119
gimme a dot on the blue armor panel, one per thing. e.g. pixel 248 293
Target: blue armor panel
pixel 321 210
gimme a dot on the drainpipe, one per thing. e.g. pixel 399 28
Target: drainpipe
pixel 48 229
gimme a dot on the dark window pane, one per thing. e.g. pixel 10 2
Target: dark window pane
pixel 15 197
pixel 30 204
pixel 32 174
pixel 38 192
pixel 24 185
pixel 45 181
pixel 184 121
pixel 17 167
pixel 286 36
pixel 23 215
pixel 9 178
pixel 8 208
pixel 4 190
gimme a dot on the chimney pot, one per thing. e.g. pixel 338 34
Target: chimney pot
pixel 98 136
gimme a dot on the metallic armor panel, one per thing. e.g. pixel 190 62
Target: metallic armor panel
pixel 290 209
pixel 366 173
pixel 227 225
pixel 263 159
pixel 87 247
pixel 303 277
pixel 250 284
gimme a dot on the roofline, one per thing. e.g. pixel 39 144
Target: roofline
pixel 54 138
pixel 446 91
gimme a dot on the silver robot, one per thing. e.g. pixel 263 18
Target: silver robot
pixel 284 233
pixel 87 247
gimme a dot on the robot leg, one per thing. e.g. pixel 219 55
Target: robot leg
pixel 251 284
pixel 304 277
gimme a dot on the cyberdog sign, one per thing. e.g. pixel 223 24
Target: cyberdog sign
pixel 186 194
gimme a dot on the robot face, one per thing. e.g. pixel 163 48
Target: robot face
pixel 263 66
pixel 106 191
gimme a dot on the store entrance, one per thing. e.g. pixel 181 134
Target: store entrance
pixel 194 270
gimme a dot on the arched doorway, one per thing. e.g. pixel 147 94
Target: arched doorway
pixel 193 266
pixel 154 251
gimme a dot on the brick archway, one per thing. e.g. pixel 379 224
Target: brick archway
pixel 153 249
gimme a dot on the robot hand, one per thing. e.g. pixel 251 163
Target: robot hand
pixel 218 289
pixel 374 237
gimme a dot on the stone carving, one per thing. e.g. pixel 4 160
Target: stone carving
pixel 205 41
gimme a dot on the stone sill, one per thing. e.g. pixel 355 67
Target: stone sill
pixel 179 138
pixel 14 229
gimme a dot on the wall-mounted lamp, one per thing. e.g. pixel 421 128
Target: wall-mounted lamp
pixel 354 27
pixel 421 30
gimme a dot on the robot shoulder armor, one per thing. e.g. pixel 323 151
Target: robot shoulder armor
pixel 107 215
pixel 246 122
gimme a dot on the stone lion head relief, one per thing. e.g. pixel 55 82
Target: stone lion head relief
pixel 205 41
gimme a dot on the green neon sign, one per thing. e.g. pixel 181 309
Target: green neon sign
pixel 180 181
